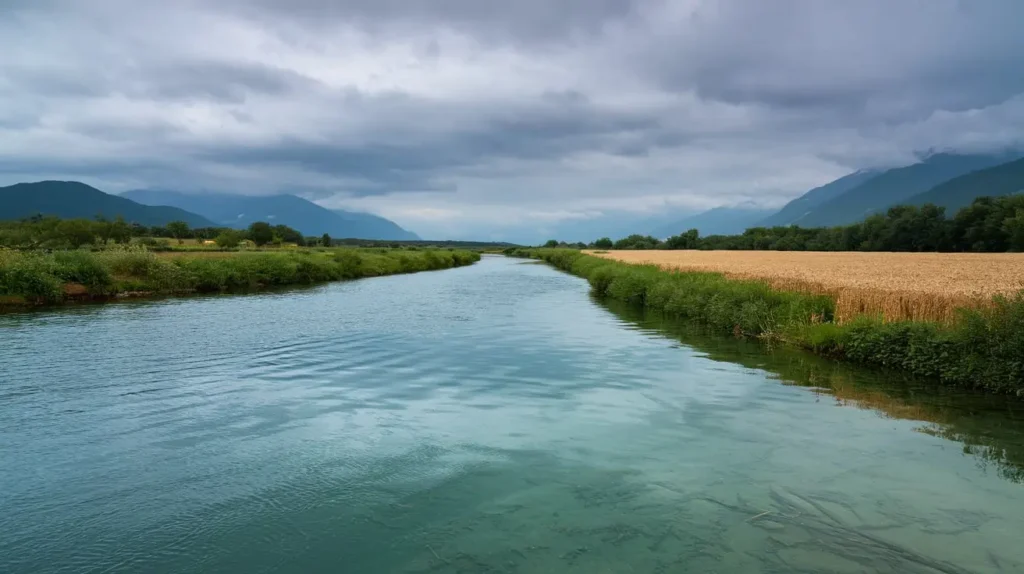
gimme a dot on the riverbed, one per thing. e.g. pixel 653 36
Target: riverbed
pixel 493 418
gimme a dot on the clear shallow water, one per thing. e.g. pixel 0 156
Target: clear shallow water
pixel 484 419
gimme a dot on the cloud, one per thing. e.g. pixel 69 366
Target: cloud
pixel 470 118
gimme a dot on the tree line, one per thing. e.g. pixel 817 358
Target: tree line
pixel 988 225
pixel 45 232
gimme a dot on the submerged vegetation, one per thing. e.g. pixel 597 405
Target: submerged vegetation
pixel 983 348
pixel 29 277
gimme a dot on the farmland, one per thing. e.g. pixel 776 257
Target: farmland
pixel 966 330
pixel 897 286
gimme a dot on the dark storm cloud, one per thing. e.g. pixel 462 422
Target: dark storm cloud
pixel 553 127
pixel 484 107
pixel 521 21
pixel 229 82
pixel 892 60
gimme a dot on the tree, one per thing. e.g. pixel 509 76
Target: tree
pixel 603 243
pixel 288 235
pixel 75 232
pixel 325 240
pixel 119 230
pixel 261 233
pixel 229 239
pixel 178 230
pixel 551 243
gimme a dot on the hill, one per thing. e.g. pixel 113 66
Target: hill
pixel 717 221
pixel 959 192
pixel 71 199
pixel 896 186
pixel 239 211
pixel 795 210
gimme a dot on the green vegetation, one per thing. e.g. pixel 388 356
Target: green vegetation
pixel 44 278
pixel 988 225
pixel 52 233
pixel 984 349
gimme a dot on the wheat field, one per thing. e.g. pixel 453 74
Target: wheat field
pixel 897 286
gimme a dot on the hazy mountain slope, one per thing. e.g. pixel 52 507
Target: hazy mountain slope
pixel 717 221
pixel 382 226
pixel 959 192
pixel 795 210
pixel 311 219
pixel 72 199
pixel 896 186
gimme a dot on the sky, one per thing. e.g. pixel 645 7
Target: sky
pixel 501 120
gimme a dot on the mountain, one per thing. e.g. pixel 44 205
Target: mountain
pixel 717 221
pixel 71 199
pixel 896 186
pixel 794 211
pixel 385 227
pixel 959 192
pixel 239 211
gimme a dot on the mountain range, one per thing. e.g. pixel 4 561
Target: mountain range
pixel 71 199
pixel 957 193
pixel 896 186
pixel 717 221
pixel 238 211
pixel 801 207
pixel 948 180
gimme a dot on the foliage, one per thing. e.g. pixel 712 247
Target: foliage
pixel 989 224
pixel 43 277
pixel 983 349
pixel 261 233
pixel 636 241
pixel 178 230
pixel 229 238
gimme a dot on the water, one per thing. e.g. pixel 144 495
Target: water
pixel 484 419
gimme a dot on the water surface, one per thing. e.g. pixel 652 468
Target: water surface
pixel 484 419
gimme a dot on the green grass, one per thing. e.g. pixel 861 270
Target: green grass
pixel 983 349
pixel 49 278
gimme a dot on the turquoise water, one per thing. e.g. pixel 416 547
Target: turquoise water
pixel 484 419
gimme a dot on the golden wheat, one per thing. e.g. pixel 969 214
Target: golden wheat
pixel 917 286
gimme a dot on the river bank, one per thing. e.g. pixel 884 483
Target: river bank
pixel 982 349
pixel 490 418
pixel 31 278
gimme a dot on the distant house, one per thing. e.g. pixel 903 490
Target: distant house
pixel 209 242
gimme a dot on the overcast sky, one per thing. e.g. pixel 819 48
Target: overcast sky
pixel 488 119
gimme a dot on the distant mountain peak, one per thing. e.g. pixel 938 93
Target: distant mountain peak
pixel 74 199
pixel 234 210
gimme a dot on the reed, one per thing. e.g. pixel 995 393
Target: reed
pixel 980 345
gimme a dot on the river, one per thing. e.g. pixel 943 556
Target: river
pixel 486 419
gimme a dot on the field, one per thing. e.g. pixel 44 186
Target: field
pixel 915 286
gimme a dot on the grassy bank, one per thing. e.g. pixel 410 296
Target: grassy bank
pixel 56 277
pixel 982 349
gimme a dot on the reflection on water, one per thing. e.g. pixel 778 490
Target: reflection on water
pixel 484 419
pixel 991 428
